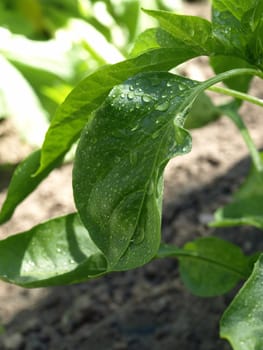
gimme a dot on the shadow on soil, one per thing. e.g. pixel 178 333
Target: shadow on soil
pixel 147 308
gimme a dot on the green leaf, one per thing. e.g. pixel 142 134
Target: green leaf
pixel 223 63
pixel 238 28
pixel 159 38
pixel 117 177
pixel 212 266
pixel 57 252
pixel 236 8
pixel 209 266
pixel 23 183
pixel 246 206
pixel 231 36
pixel 194 32
pixel 241 323
pixel 77 109
pixel 202 112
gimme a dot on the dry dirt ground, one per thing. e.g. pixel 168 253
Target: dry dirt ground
pixel 147 308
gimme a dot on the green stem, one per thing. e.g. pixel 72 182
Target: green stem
pixel 237 94
pixel 217 79
pixel 236 118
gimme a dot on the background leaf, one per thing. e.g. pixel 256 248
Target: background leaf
pixel 224 63
pixel 56 252
pixel 214 266
pixel 241 323
pixel 246 206
pixel 203 111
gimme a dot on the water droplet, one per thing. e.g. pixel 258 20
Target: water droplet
pixel 179 119
pixel 130 95
pixel 58 250
pixel 122 95
pixel 163 106
pixel 146 98
pixel 181 87
pixel 131 88
pixel 169 84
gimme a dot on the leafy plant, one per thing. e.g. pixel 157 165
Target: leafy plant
pixel 130 119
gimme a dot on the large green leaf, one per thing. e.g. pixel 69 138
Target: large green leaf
pixel 120 159
pixel 56 252
pixel 158 38
pixel 242 322
pixel 246 207
pixel 117 178
pixel 214 266
pixel 23 183
pixel 194 32
pixel 77 109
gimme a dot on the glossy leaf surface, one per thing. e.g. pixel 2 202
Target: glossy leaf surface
pixel 241 323
pixel 194 32
pixel 119 163
pixel 78 107
pixel 56 252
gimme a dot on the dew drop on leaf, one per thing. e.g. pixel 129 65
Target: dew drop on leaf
pixel 181 87
pixel 130 95
pixel 163 106
pixel 146 98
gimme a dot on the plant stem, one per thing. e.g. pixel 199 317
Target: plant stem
pixel 236 118
pixel 237 94
pixel 217 79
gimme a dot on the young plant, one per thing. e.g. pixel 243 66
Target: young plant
pixel 130 119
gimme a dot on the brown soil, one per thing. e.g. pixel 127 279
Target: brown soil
pixel 147 308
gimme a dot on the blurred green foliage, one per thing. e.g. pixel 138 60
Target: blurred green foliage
pixel 48 46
